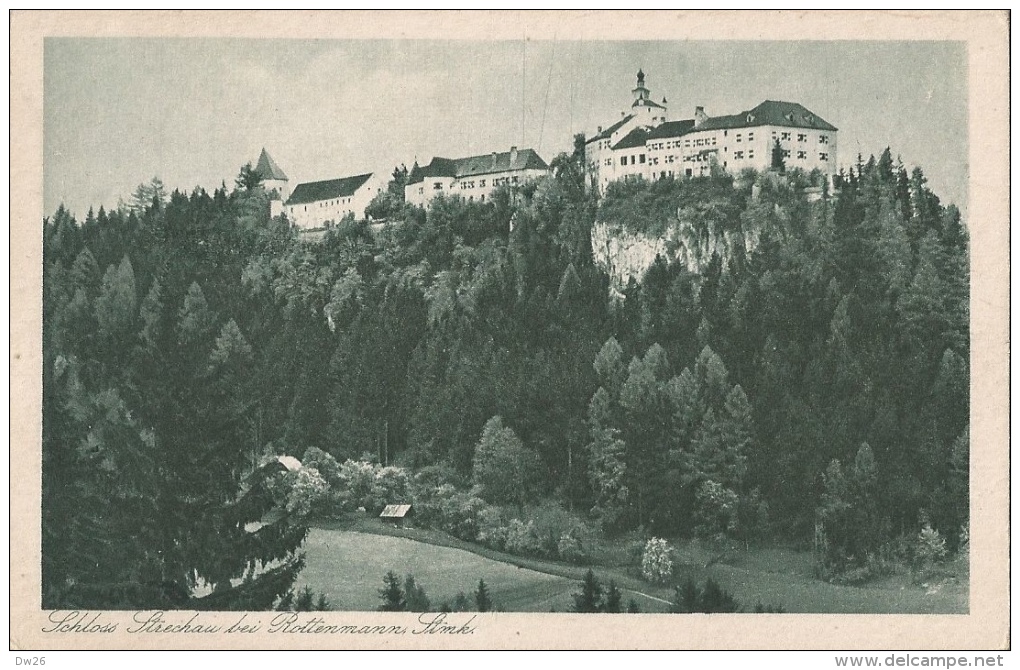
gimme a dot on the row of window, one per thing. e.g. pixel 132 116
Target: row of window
pixel 801 137
pixel 672 144
pixel 640 159
pixel 630 160
pixel 330 203
pixel 438 186
pixel 708 142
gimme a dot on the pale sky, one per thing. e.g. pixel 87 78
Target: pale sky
pixel 193 111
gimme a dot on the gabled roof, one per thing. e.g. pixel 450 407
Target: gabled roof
pixel 324 190
pixel 646 102
pixel 611 129
pixel 770 113
pixel 671 129
pixel 635 138
pixel 268 169
pixel 523 159
pixel 395 511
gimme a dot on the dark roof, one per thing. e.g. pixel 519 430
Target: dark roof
pixel 646 102
pixel 770 113
pixel 611 129
pixel 635 138
pixel 671 129
pixel 268 169
pixel 525 159
pixel 324 190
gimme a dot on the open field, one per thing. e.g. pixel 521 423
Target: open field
pixel 348 566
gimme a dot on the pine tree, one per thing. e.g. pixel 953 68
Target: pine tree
pixel 610 368
pixel 606 467
pixel 305 600
pixel 392 594
pixel 589 598
pixel 117 307
pixel 196 320
pixel 614 599
pixel 483 602
pixel 85 273
pixel 414 596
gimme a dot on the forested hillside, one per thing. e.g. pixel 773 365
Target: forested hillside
pixel 811 382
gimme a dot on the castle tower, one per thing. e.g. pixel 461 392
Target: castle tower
pixel 273 178
pixel 640 92
pixel 647 111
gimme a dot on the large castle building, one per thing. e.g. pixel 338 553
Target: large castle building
pixel 318 205
pixel 645 144
pixel 474 177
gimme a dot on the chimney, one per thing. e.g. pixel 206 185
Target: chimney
pixel 600 130
pixel 513 156
pixel 495 159
pixel 699 116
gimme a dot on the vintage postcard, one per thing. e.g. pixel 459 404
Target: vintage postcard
pixel 509 330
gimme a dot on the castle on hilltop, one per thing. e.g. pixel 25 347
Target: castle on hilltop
pixel 645 144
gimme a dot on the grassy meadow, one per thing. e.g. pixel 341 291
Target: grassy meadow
pixel 348 567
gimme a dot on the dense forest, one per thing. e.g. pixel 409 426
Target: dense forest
pixel 811 386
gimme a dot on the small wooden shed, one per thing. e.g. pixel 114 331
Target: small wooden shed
pixel 395 513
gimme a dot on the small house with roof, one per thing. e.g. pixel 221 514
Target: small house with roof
pixel 318 205
pixel 473 178
pixel 395 514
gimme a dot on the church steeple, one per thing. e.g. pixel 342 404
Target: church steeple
pixel 647 111
pixel 640 92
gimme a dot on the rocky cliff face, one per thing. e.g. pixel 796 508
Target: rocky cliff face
pixel 625 255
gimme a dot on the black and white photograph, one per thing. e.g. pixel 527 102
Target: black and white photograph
pixel 359 336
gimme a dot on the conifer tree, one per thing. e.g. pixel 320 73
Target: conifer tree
pixel 614 599
pixel 589 598
pixel 392 594
pixel 483 601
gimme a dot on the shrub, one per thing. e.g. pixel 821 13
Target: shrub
pixel 522 538
pixel 716 511
pixel 552 523
pixel 390 486
pixel 428 504
pixel 492 527
pixel 324 463
pixel 460 515
pixel 569 549
pixel 356 480
pixel 308 491
pixel 929 552
pixel 657 560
